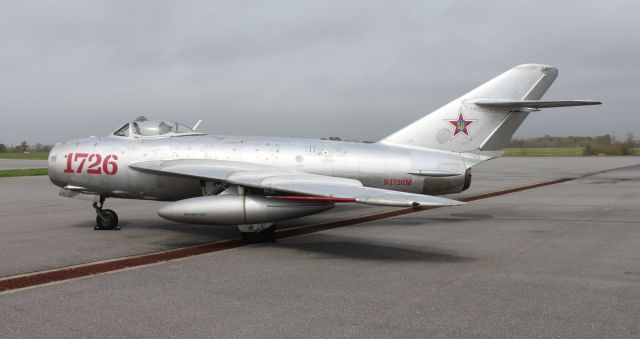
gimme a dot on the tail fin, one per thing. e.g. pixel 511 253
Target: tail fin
pixel 484 120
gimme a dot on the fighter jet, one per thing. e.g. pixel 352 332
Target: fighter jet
pixel 253 182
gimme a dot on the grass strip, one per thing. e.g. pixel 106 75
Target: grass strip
pixel 25 156
pixel 23 172
pixel 544 152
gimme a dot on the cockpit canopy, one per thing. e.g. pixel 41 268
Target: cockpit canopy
pixel 142 127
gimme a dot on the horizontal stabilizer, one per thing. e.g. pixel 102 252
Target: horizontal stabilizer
pixel 535 104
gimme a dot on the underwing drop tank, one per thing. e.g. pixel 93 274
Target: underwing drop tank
pixel 227 209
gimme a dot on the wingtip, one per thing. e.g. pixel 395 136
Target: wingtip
pixel 589 102
pixel 442 203
pixel 457 203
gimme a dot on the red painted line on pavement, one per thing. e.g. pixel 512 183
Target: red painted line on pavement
pixel 512 190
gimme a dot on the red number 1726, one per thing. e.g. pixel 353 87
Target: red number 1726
pixel 96 164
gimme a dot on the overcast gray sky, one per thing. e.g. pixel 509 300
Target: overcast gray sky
pixel 354 69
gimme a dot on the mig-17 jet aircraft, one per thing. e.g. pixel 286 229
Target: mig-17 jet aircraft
pixel 253 182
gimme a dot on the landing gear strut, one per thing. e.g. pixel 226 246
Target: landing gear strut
pixel 105 219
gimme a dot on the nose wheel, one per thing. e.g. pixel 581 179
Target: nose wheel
pixel 105 219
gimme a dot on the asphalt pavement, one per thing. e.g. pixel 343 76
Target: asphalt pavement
pixel 17 164
pixel 556 261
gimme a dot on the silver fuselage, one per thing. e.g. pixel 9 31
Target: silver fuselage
pixel 375 165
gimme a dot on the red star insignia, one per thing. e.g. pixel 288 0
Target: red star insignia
pixel 461 125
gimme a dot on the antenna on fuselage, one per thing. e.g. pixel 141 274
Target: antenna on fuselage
pixel 196 125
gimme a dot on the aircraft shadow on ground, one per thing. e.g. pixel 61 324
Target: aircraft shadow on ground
pixel 344 247
pixel 204 233
pixel 336 246
pixel 452 218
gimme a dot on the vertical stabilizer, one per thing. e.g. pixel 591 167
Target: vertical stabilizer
pixel 466 127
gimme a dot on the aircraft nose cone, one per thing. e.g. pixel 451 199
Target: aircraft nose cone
pixel 55 164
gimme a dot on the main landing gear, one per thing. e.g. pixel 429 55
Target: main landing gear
pixel 105 219
pixel 257 233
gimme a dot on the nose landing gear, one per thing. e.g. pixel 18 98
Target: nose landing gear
pixel 105 219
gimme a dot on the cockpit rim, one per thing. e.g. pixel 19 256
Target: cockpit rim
pixel 132 130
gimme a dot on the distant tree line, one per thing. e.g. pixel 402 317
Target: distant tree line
pixel 25 147
pixel 602 144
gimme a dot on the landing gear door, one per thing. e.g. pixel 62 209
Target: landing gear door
pixel 211 187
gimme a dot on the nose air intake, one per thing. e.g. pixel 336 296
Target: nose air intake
pixel 53 169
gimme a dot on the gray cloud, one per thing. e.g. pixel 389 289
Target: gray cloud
pixel 355 69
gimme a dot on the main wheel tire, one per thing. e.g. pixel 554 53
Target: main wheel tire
pixel 107 220
pixel 267 235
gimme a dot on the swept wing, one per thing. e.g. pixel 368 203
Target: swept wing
pixel 287 181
